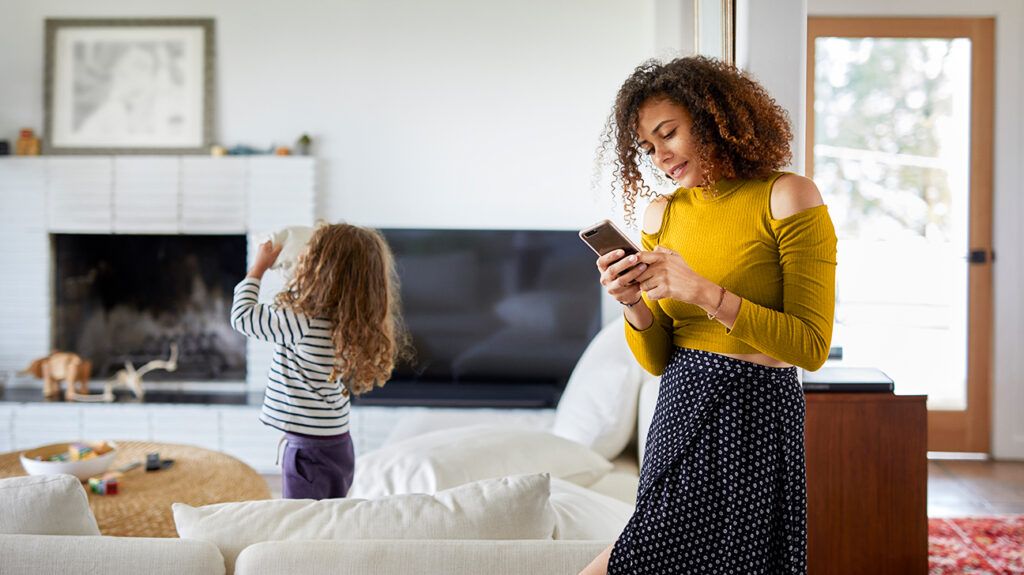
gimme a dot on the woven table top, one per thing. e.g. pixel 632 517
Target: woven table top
pixel 142 506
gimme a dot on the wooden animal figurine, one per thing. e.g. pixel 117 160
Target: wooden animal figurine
pixel 62 366
pixel 132 378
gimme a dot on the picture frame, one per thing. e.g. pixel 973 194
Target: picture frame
pixel 129 86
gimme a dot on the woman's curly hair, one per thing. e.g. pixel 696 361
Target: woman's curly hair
pixel 347 276
pixel 740 130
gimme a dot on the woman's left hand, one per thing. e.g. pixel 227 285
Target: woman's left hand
pixel 668 276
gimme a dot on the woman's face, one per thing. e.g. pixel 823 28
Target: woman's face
pixel 664 134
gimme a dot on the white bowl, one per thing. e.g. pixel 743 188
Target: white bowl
pixel 83 469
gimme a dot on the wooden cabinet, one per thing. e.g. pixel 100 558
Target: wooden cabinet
pixel 867 482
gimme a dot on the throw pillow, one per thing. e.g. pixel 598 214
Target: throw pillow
pixel 45 505
pixel 418 421
pixel 645 411
pixel 444 459
pixel 598 406
pixel 514 507
pixel 583 514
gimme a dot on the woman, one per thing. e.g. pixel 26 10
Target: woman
pixel 738 288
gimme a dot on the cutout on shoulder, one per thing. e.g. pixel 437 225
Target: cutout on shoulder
pixel 792 194
pixel 654 214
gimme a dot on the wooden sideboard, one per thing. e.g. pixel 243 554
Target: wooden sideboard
pixel 867 484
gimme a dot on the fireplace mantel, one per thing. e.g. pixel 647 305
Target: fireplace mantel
pixel 250 195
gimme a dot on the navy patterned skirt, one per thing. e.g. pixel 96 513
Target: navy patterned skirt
pixel 722 487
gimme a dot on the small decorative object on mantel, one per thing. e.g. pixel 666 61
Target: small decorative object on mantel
pixel 282 151
pixel 62 366
pixel 5 148
pixel 303 144
pixel 129 85
pixel 218 151
pixel 27 144
pixel 243 150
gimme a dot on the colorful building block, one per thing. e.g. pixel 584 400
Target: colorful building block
pixel 80 452
pixel 106 484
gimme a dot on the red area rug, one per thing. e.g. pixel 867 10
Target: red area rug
pixel 976 545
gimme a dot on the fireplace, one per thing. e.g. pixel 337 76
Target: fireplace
pixel 129 298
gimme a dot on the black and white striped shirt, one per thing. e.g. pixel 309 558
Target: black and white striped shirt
pixel 299 396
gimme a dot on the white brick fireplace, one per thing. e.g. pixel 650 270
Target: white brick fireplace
pixel 132 195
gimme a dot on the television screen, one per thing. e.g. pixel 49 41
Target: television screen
pixel 496 317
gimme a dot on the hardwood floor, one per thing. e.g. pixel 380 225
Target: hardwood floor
pixel 956 488
pixel 274 483
pixel 959 488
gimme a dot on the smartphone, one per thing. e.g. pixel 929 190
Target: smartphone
pixel 604 237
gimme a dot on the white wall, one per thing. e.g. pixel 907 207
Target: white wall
pixel 460 113
pixel 1008 361
pixel 771 44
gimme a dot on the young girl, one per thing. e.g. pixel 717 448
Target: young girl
pixel 337 331
pixel 737 287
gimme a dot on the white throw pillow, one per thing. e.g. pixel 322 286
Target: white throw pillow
pixel 645 412
pixel 451 457
pixel 598 406
pixel 514 507
pixel 582 514
pixel 45 505
pixel 422 420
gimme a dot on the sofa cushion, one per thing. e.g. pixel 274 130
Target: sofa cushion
pixel 583 514
pixel 45 505
pixel 417 421
pixel 645 412
pixel 446 458
pixel 598 406
pixel 91 555
pixel 623 481
pixel 514 507
pixel 426 557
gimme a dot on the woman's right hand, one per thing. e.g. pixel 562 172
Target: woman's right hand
pixel 621 287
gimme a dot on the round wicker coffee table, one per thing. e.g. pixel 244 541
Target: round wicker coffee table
pixel 142 507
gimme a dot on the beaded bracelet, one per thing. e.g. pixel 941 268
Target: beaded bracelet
pixel 721 300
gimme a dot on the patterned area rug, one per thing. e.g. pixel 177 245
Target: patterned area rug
pixel 976 545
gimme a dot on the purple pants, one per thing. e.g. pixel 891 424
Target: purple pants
pixel 317 467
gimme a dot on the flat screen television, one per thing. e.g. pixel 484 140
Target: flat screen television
pixel 496 317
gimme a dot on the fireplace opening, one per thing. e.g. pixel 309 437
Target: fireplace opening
pixel 131 298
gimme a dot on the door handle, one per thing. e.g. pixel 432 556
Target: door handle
pixel 980 257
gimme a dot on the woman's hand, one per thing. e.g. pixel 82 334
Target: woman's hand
pixel 266 255
pixel 668 276
pixel 623 287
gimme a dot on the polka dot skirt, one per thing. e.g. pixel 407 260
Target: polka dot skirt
pixel 722 487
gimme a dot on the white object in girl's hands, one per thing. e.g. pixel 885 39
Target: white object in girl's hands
pixel 293 240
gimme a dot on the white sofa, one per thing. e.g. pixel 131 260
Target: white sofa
pixel 606 411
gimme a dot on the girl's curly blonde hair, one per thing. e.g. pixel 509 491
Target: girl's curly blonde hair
pixel 347 276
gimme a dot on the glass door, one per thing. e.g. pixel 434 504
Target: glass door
pixel 900 144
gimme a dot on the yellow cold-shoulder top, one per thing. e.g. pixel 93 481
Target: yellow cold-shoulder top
pixel 784 271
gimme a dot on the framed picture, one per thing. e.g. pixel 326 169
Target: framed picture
pixel 124 86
